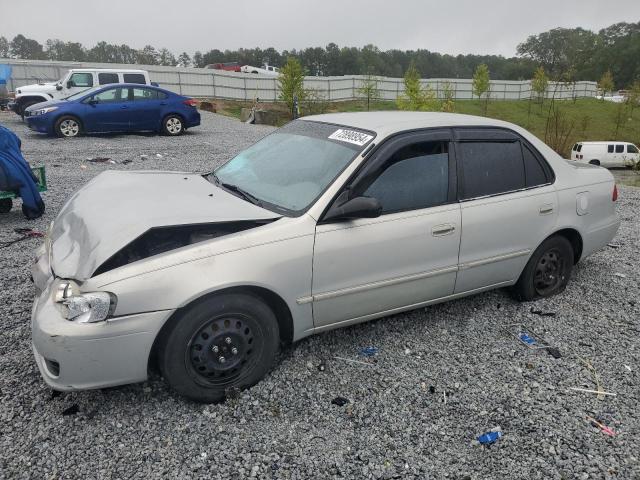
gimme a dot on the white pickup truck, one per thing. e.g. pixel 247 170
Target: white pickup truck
pixel 74 81
pixel 265 69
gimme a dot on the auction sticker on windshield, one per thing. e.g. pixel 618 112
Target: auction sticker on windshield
pixel 350 136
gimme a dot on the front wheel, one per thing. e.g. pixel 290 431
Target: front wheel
pixel 223 342
pixel 67 127
pixel 5 205
pixel 547 272
pixel 172 125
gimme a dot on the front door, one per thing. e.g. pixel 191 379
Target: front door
pixel 108 111
pixel 509 206
pixel 78 82
pixel 409 254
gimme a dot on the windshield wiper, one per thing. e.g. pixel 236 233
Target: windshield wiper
pixel 243 193
pixel 214 177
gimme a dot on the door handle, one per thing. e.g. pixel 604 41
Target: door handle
pixel 124 107
pixel 443 229
pixel 163 103
pixel 546 209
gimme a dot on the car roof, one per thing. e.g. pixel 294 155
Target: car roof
pixel 387 123
pixel 604 142
pixel 108 70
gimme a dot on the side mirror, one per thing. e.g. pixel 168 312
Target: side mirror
pixel 358 207
pixel 92 101
pixel 70 84
pixel 58 87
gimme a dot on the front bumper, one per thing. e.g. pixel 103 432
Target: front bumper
pixel 74 356
pixel 40 123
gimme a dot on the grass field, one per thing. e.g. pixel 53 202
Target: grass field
pixel 590 119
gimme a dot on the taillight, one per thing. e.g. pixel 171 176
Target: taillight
pixel 191 102
pixel 614 197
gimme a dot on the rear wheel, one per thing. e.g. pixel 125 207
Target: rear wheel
pixel 548 270
pixel 67 127
pixel 223 342
pixel 172 125
pixel 6 204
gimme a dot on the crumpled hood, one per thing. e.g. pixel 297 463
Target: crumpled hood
pixel 116 207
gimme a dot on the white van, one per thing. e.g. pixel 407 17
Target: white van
pixel 74 81
pixel 606 154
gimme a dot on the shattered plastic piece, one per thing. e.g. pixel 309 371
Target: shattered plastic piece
pixel 144 157
pixel 603 428
pixel 619 275
pixel 126 162
pixel 597 392
pixel 100 160
pixel 158 155
pixel 613 245
pixel 340 401
pixel 527 339
pixel 490 437
pixel 541 313
pixel 554 352
pixel 72 410
pixel 353 361
pixel 627 367
pixel 369 351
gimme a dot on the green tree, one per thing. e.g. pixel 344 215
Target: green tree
pixel 26 48
pixel 633 97
pixel 291 83
pixel 369 90
pixel 539 83
pixel 481 85
pixel 166 58
pixel 448 102
pixel 415 97
pixel 148 56
pixel 4 47
pixel 606 84
pixel 184 60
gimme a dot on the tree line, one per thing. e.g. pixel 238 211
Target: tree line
pixel 566 54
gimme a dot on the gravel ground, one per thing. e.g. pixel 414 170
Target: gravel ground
pixel 442 375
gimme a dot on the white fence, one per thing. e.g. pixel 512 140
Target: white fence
pixel 205 83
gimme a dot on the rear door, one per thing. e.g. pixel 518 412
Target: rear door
pixel 108 111
pixel 406 256
pixel 146 108
pixel 508 202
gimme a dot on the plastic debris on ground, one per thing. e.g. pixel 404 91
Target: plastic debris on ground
pixel 619 275
pixel 100 160
pixel 368 351
pixel 541 313
pixel 349 360
pixel 603 428
pixel 613 245
pixel 490 437
pixel 26 234
pixel 340 401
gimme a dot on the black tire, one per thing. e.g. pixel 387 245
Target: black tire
pixel 173 125
pixel 67 126
pixel 547 272
pixel 222 342
pixel 26 105
pixel 6 204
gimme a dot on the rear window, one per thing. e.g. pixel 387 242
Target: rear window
pixel 534 172
pixel 107 78
pixel 134 78
pixel 619 148
pixel 141 94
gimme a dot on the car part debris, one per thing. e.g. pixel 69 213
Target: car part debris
pixel 26 233
pixel 490 437
pixel 340 401
pixel 541 313
pixel 353 361
pixel 603 428
pixel 613 245
pixel 554 352
pixel 369 351
pixel 100 160
pixel 619 275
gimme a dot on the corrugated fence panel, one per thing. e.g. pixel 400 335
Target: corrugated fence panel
pixel 205 83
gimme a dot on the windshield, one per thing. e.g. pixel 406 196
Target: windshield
pixel 290 168
pixel 81 94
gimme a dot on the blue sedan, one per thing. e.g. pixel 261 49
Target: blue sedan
pixel 115 108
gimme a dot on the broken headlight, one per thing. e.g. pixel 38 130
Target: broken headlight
pixel 80 307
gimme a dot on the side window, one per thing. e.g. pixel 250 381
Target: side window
pixel 107 78
pixel 162 95
pixel 609 148
pixel 619 148
pixel 580 147
pixel 490 168
pixel 134 78
pixel 141 94
pixel 534 173
pixel 632 149
pixel 81 80
pixel 111 95
pixel 575 147
pixel 414 177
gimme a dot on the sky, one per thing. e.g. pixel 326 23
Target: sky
pixel 445 26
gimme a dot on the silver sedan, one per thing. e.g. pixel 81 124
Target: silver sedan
pixel 329 221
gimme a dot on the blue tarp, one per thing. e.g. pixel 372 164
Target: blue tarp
pixel 5 73
pixel 16 174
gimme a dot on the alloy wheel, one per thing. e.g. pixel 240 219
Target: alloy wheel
pixel 69 128
pixel 174 125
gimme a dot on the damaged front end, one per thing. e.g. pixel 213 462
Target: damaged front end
pixel 159 240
